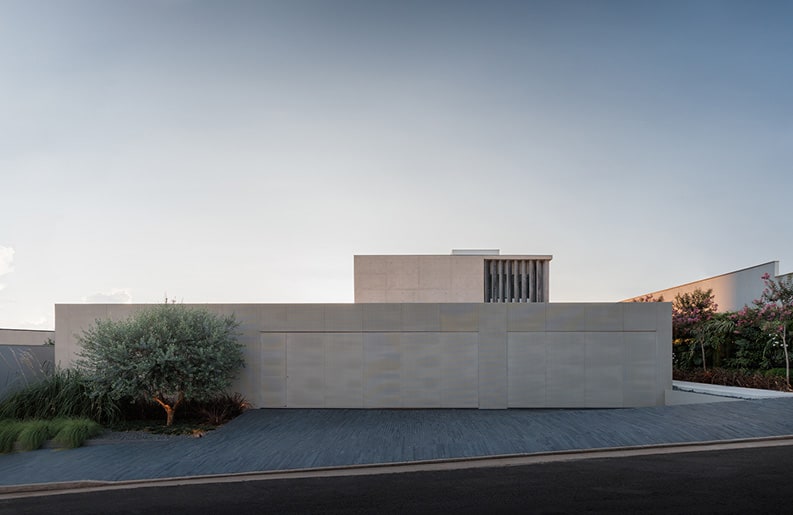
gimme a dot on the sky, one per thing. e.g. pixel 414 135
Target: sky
pixel 244 151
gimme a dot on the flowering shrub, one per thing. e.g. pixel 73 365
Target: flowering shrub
pixel 690 314
pixel 757 337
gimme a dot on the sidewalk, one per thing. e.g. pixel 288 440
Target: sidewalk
pixel 267 439
pixel 731 392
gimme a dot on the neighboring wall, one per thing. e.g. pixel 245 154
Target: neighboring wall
pixel 422 278
pixel 731 291
pixel 25 336
pixel 467 355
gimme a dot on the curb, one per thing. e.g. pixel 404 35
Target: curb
pixel 503 460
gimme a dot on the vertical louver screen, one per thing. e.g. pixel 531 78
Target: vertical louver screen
pixel 514 280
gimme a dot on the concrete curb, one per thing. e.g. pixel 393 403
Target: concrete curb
pixel 505 460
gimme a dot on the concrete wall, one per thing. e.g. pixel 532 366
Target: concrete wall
pixel 467 355
pixel 731 291
pixel 25 336
pixel 421 278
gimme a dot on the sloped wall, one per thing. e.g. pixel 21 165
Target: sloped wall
pixel 22 365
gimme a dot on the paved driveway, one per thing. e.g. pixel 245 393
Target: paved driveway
pixel 269 439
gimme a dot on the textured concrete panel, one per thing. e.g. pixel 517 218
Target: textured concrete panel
pixel 640 316
pixel 664 348
pixel 605 365
pixel 272 359
pixel 273 394
pixel 467 279
pixel 247 315
pixel 305 317
pixel 343 317
pixel 363 296
pixel 435 272
pixel 372 281
pixel 273 317
pixel 382 356
pixel 343 370
pixel 640 369
pixel 566 317
pixel 382 317
pixel 604 317
pixel 305 370
pixel 526 370
pixel 459 317
pixel 404 296
pixel 421 370
pixel 492 317
pixel 402 272
pixel 427 295
pixel 526 317
pixel 460 370
pixel 370 264
pixel 421 317
pixel 493 370
pixel 565 374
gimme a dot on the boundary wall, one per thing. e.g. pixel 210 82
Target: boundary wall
pixel 436 355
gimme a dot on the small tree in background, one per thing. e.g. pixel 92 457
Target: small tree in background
pixel 776 312
pixel 648 298
pixel 166 354
pixel 690 312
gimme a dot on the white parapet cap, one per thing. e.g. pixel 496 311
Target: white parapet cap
pixel 476 252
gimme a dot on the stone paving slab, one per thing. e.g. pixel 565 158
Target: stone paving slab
pixel 271 439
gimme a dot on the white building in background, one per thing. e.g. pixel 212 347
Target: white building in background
pixel 731 291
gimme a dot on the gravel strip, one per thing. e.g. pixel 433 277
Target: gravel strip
pixel 109 437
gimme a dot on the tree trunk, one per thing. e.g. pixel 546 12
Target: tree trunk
pixel 702 346
pixel 170 411
pixel 787 355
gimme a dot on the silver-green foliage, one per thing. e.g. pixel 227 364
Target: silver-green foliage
pixel 166 354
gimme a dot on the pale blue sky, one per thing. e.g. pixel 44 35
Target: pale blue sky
pixel 243 151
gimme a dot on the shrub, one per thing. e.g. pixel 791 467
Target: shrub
pixel 9 431
pixel 33 434
pixel 166 354
pixel 74 432
pixel 221 409
pixel 65 393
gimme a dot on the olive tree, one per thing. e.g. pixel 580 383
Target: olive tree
pixel 165 353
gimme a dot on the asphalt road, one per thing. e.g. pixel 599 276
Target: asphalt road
pixel 754 480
